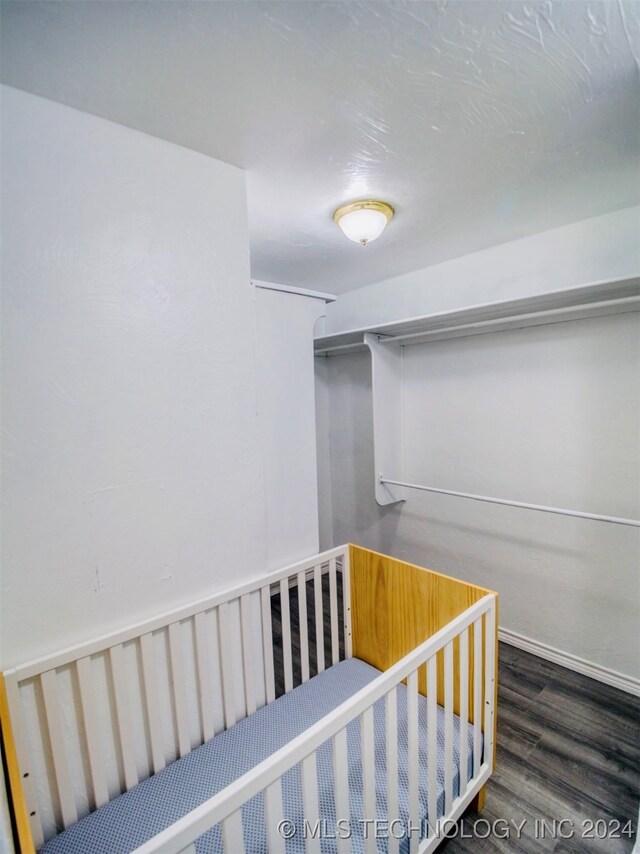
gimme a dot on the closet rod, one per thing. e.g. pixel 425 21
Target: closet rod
pixel 596 517
pixel 339 348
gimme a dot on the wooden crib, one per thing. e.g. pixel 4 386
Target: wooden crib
pixel 86 724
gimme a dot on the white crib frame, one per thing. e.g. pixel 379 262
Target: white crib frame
pixel 225 807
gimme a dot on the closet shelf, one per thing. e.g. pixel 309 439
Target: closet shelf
pixel 613 296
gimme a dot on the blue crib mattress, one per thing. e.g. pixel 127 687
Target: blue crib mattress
pixel 151 806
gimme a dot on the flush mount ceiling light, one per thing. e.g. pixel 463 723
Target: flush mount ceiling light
pixel 363 221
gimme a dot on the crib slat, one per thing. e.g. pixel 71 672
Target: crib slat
pixel 152 702
pixel 58 748
pixel 477 694
pixel 233 834
pixel 267 644
pixel 489 685
pixel 464 710
pixel 273 815
pixel 215 659
pixel 368 776
pixel 247 653
pixel 432 743
pixel 286 634
pixel 123 717
pixel 179 688
pixel 319 609
pixel 205 691
pixel 226 665
pixel 414 755
pixel 333 599
pixel 341 786
pixel 303 620
pixel 91 732
pixel 310 801
pixel 391 732
pixel 448 727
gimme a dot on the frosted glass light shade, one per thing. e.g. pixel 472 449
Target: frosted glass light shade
pixel 364 221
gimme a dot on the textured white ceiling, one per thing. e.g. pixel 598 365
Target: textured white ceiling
pixel 479 121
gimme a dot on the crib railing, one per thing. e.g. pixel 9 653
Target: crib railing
pixel 93 720
pixel 225 808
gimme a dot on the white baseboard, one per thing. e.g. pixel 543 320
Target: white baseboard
pixel 571 662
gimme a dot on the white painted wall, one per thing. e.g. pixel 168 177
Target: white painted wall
pixel 286 405
pixel 588 251
pixel 132 477
pixel 548 415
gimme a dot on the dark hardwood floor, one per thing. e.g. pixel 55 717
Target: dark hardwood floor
pixel 276 619
pixel 568 748
pixel 567 775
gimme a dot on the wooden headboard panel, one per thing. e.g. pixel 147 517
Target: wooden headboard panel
pixel 395 606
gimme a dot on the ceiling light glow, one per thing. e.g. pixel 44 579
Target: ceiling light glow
pixel 363 221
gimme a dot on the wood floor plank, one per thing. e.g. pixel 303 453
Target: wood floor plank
pixel 583 767
pixel 604 725
pixel 580 845
pixel 570 774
